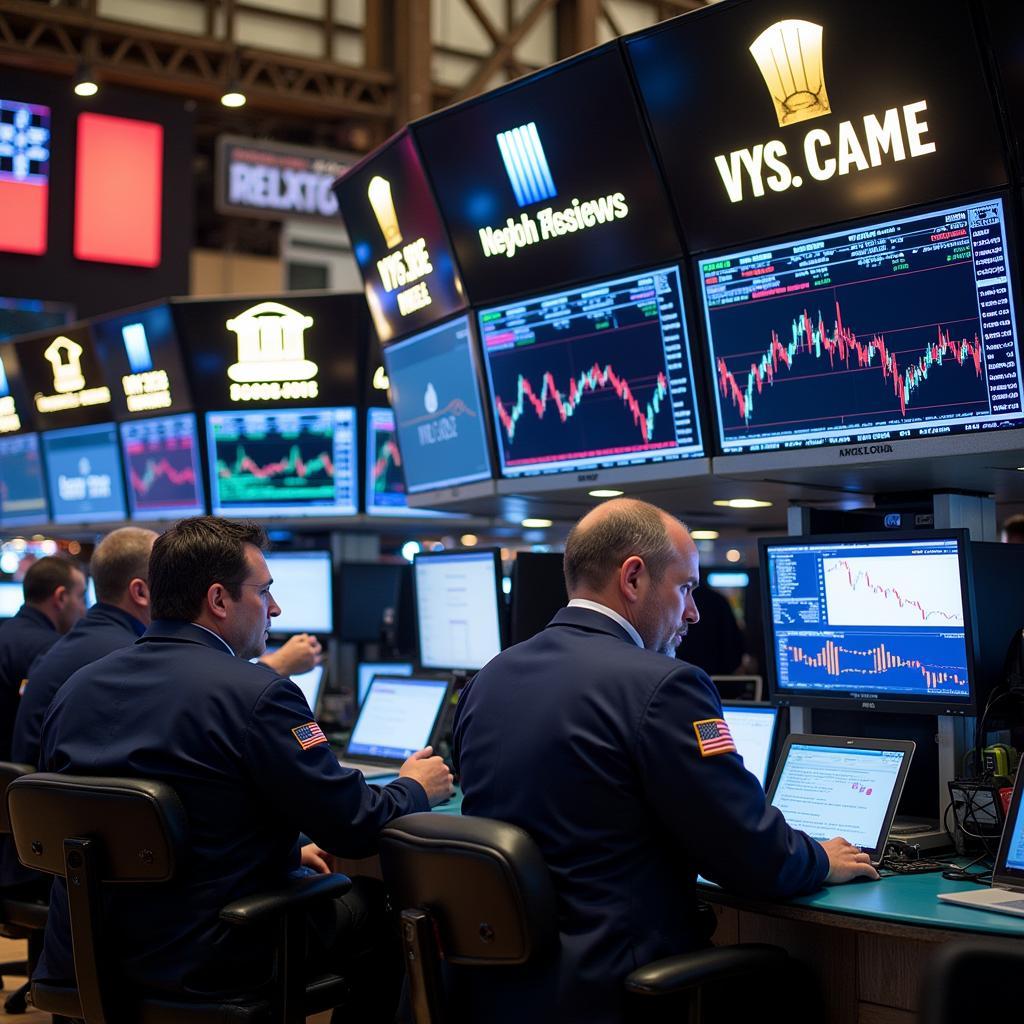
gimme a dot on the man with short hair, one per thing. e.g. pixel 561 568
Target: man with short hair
pixel 617 761
pixel 54 590
pixel 1013 530
pixel 184 706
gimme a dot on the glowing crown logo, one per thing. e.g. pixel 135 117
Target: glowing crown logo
pixel 789 56
pixel 379 194
pixel 271 346
pixel 65 356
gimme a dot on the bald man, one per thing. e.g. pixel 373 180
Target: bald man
pixel 598 742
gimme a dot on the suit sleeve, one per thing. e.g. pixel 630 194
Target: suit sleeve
pixel 715 809
pixel 305 784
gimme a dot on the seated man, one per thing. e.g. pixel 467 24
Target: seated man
pixel 611 756
pixel 184 706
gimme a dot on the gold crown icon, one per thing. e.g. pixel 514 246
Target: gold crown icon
pixel 789 56
pixel 379 194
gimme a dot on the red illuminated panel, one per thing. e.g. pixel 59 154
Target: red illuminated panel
pixel 118 190
pixel 24 176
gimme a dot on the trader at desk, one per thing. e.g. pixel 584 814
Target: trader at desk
pixel 616 759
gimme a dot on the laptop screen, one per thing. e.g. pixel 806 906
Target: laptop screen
pixel 397 717
pixel 829 791
pixel 308 682
pixel 1011 848
pixel 366 670
pixel 753 730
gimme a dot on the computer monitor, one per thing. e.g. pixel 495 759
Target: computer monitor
pixel 302 587
pixel 283 462
pixel 83 470
pixel 439 415
pixel 310 683
pixel 538 592
pixel 366 670
pixel 592 377
pixel 90 592
pixel 22 488
pixel 12 597
pixel 162 464
pixel 753 732
pixel 369 594
pixel 869 621
pixel 26 316
pixel 899 327
pixel 459 608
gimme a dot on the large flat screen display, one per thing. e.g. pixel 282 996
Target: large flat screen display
pixel 302 588
pixel 22 488
pixel 162 464
pixel 869 623
pixel 435 395
pixel 902 327
pixel 549 180
pixel 287 462
pixel 595 376
pixel 83 471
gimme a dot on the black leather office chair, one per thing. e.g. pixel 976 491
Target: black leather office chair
pixel 94 831
pixel 974 979
pixel 477 893
pixel 19 918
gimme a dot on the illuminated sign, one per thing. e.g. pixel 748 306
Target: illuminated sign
pixel 789 57
pixel 145 389
pixel 380 380
pixel 24 176
pixel 526 164
pixel 69 384
pixel 9 418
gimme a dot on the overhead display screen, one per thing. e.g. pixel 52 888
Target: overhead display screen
pixel 15 411
pixel 142 362
pixel 549 180
pixel 435 394
pixel 597 376
pixel 24 176
pixel 288 351
pixel 63 377
pixel 768 120
pixel 161 462
pixel 863 620
pixel 22 489
pixel 27 316
pixel 399 241
pixel 295 462
pixel 897 328
pixel 83 471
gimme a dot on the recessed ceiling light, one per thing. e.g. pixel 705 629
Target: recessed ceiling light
pixel 233 98
pixel 605 492
pixel 742 503
pixel 733 555
pixel 536 524
pixel 704 534
pixel 468 540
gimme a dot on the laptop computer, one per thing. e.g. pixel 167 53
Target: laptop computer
pixel 366 670
pixel 753 732
pixel 1007 892
pixel 845 786
pixel 398 717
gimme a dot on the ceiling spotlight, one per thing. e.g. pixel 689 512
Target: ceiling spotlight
pixel 742 503
pixel 733 555
pixel 468 540
pixel 232 97
pixel 536 524
pixel 85 83
pixel 704 534
pixel 605 492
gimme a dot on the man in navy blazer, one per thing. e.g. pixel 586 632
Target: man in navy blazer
pixel 236 741
pixel 616 759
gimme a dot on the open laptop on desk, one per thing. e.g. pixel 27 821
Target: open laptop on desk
pixel 1007 892
pixel 398 717
pixel 831 786
pixel 753 732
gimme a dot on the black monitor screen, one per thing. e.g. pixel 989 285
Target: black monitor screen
pixel 595 376
pixel 376 598
pixel 881 623
pixel 898 328
pixel 435 395
pixel 22 489
pixel 23 316
pixel 83 470
pixel 161 460
pixel 286 462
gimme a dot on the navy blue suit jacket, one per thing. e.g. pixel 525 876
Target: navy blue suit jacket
pixel 22 640
pixel 178 707
pixel 588 743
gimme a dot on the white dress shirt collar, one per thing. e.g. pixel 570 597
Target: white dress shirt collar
pixel 593 606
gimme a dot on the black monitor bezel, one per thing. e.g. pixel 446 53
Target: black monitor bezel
pixel 1003 872
pixel 499 599
pixel 843 701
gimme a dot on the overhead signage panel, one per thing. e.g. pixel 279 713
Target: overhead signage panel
pixel 771 117
pixel 399 241
pixel 549 180
pixel 283 351
pixel 15 409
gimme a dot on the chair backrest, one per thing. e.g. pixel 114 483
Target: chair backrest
pixel 9 771
pixel 973 979
pixel 484 883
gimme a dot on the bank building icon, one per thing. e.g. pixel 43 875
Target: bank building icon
pixel 789 57
pixel 65 357
pixel 379 194
pixel 271 346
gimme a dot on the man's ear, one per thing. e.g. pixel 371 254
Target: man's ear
pixel 630 573
pixel 138 590
pixel 216 601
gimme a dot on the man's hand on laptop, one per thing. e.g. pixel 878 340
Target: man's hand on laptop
pixel 846 862
pixel 431 773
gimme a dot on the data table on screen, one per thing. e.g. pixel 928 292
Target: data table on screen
pixel 161 458
pixel 595 376
pixel 901 328
pixel 22 489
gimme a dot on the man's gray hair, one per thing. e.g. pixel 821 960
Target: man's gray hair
pixel 595 550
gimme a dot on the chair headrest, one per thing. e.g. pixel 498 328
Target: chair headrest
pixel 484 882
pixel 138 824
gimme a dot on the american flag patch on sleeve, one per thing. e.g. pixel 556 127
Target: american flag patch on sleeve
pixel 309 735
pixel 713 737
